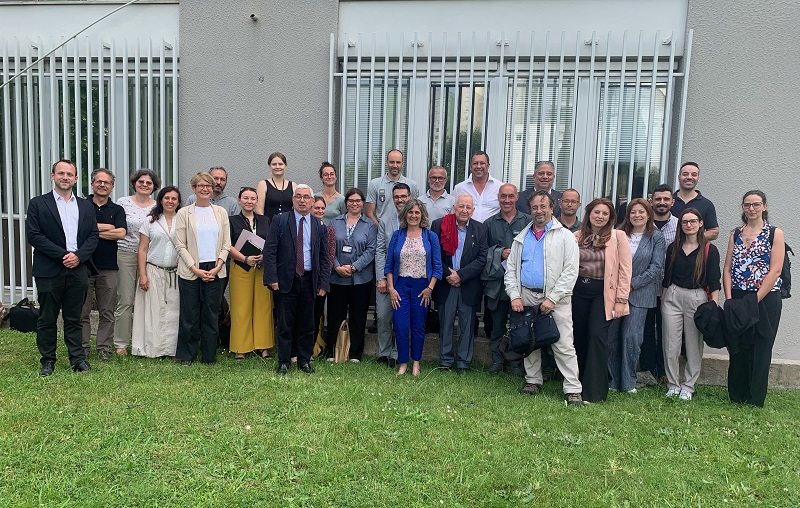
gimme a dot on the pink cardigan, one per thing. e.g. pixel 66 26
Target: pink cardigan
pixel 617 274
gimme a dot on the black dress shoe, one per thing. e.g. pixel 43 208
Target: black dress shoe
pixel 391 362
pixel 81 366
pixel 308 369
pixel 282 369
pixel 47 368
pixel 186 363
pixel 461 371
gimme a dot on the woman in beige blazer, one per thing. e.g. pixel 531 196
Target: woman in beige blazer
pixel 203 239
pixel 600 294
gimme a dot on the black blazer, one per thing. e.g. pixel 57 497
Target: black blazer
pixel 46 235
pixel 473 260
pixel 279 253
pixel 239 223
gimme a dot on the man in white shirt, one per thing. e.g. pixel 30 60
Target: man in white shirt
pixel 482 186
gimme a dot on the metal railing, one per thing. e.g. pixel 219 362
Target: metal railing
pixel 111 104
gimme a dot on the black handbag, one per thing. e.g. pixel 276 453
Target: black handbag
pixel 23 316
pixel 528 331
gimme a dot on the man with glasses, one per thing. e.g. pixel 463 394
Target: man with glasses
pixel 438 202
pixel 387 349
pixel 219 198
pixel 482 186
pixel 297 269
pixel 687 196
pixel 379 191
pixel 62 230
pixel 112 226
pixel 570 202
pixel 544 175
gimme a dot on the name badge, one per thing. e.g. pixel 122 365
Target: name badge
pixel 347 249
pixel 382 195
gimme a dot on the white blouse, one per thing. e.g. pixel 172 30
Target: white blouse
pixel 135 217
pixel 161 251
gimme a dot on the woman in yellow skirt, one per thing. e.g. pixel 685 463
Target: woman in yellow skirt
pixel 252 324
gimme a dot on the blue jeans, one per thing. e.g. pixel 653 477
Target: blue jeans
pixel 410 318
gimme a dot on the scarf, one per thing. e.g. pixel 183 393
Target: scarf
pixel 449 234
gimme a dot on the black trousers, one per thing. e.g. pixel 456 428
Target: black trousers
pixel 63 293
pixel 590 330
pixel 349 302
pixel 651 357
pixel 295 316
pixel 748 369
pixel 199 322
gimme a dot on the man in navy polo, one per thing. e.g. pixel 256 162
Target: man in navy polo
pixel 688 197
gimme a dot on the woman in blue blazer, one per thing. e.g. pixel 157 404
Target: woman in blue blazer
pixel 413 265
pixel 626 334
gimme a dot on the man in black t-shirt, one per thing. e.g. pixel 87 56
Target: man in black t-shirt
pixel 112 225
pixel 688 197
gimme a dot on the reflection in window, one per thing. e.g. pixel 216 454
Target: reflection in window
pixel 620 143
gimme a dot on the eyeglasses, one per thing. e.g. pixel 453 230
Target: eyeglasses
pixel 353 201
pixel 687 222
pixel 398 198
pixel 569 201
pixel 102 182
pixel 146 183
pixel 755 205
pixel 303 196
pixel 203 186
pixel 539 207
pixel 437 178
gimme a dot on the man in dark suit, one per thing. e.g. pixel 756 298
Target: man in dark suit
pixel 544 176
pixel 62 230
pixel 296 268
pixel 464 244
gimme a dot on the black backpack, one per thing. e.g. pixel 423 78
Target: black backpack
pixel 786 273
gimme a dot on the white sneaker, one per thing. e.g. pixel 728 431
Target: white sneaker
pixel 632 390
pixel 355 360
pixel 331 360
pixel 685 395
pixel 673 392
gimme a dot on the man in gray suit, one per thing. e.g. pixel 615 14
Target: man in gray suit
pixel 387 350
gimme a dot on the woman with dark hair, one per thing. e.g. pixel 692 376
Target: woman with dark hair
pixel 413 266
pixel 351 280
pixel 626 334
pixel 275 193
pixel 203 239
pixel 137 207
pixel 600 294
pixel 334 201
pixel 252 324
pixel 753 265
pixel 155 322
pixel 691 278
pixel 318 212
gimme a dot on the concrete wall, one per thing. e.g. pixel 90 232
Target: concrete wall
pixel 251 88
pixel 742 119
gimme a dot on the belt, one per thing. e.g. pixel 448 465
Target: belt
pixel 165 268
pixel 534 290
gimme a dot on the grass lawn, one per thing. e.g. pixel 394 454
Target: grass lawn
pixel 139 432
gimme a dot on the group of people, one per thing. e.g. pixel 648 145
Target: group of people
pixel 623 294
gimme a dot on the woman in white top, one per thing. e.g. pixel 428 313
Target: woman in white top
pixel 155 323
pixel 137 207
pixel 203 239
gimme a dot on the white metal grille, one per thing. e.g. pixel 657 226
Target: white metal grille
pixel 111 105
pixel 598 106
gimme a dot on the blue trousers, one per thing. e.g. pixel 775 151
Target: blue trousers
pixel 409 319
pixel 624 344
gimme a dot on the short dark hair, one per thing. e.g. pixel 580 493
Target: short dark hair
pixel 541 193
pixel 68 161
pixel 480 152
pixel 395 150
pixel 356 190
pixel 245 189
pixel 146 172
pixel 662 188
pixel 690 163
pixel 219 168
pixel 401 186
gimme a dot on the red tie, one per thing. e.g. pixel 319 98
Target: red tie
pixel 299 260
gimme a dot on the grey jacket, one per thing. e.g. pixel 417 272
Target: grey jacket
pixel 386 229
pixel 647 270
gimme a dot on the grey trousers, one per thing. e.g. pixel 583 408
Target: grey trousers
pixel 126 292
pixel 677 313
pixel 386 344
pixel 624 344
pixel 466 330
pixel 102 287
